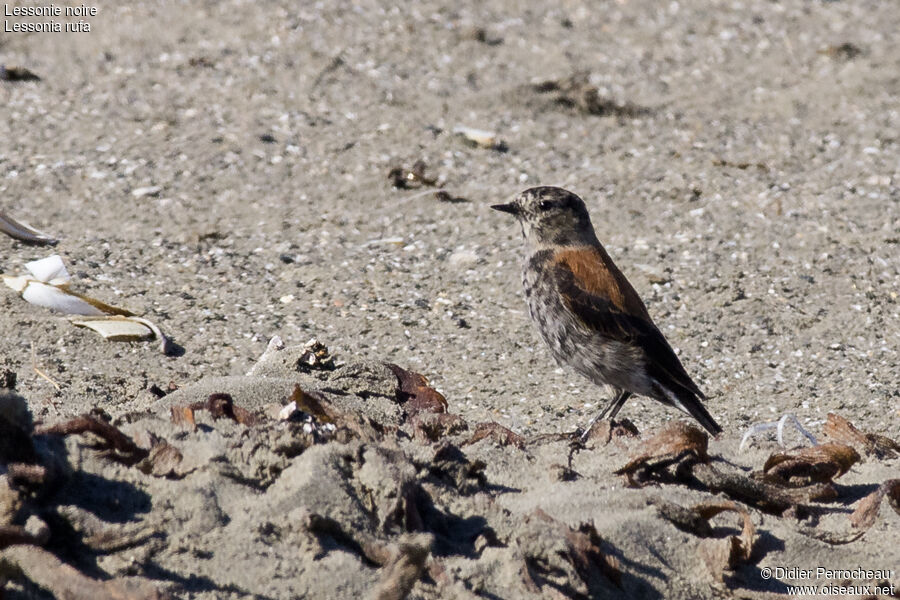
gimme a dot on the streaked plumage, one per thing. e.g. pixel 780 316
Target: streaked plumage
pixel 590 316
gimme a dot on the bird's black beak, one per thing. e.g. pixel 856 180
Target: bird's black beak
pixel 511 208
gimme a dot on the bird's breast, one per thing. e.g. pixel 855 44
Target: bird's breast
pixel 551 316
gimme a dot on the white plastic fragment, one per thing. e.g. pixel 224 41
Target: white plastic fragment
pixel 778 426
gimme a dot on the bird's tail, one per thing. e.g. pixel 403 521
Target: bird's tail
pixel 692 404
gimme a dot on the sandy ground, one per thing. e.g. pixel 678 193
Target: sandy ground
pixel 752 196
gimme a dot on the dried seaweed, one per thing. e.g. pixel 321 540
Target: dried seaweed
pixel 498 434
pixel 565 559
pixel 577 93
pixel 841 430
pixel 410 178
pixel 119 445
pixel 430 427
pixel 403 567
pixel 164 460
pixel 30 474
pixel 867 510
pixel 219 406
pixel 184 416
pixel 15 534
pixel 678 454
pixel 64 581
pixel 324 411
pixel 764 496
pixel 17 73
pixel 416 395
pixel 445 196
pixel 803 467
pixel 676 441
pixel 718 555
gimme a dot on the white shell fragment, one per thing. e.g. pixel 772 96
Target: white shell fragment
pixel 287 411
pixel 116 328
pixel 23 231
pixel 56 298
pixel 48 286
pixel 50 270
pixel 479 137
pixel 150 190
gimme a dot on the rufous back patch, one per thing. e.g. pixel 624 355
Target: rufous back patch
pixel 596 274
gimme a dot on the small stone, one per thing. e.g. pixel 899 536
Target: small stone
pixel 152 190
pixel 462 258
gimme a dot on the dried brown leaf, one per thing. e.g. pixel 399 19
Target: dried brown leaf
pixel 418 396
pixel 430 427
pixel 741 546
pixel 841 430
pixel 496 433
pixel 867 510
pixel 183 415
pixel 814 464
pixel 164 460
pixel 324 411
pixel 675 440
pixel 716 556
pixel 586 555
pixel 553 550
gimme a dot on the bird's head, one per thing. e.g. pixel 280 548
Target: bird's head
pixel 551 216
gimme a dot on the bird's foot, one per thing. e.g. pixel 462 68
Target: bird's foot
pixel 603 431
pixel 778 426
pixel 576 446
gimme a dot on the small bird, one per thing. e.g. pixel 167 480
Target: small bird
pixel 588 313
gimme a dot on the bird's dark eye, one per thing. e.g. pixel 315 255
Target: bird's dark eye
pixel 545 205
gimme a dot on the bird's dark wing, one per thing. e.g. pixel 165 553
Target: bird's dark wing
pixel 599 312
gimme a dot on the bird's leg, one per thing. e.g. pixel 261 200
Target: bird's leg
pixel 616 405
pixel 779 427
pixel 611 409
